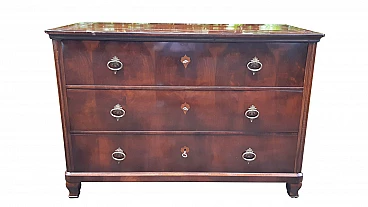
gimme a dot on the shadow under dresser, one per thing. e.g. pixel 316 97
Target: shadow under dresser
pixel 184 102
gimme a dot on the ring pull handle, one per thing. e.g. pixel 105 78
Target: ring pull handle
pixel 184 154
pixel 184 151
pixel 114 64
pixel 249 155
pixel 254 65
pixel 118 155
pixel 117 112
pixel 252 113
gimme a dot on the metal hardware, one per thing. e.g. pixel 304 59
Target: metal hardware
pixel 120 153
pixel 117 112
pixel 184 151
pixel 185 107
pixel 249 155
pixel 185 60
pixel 114 64
pixel 184 154
pixel 254 65
pixel 252 113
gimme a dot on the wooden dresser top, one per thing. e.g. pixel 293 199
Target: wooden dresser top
pixel 202 32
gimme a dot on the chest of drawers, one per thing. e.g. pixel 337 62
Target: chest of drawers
pixel 183 102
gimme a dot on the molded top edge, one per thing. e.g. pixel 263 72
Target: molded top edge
pixel 183 30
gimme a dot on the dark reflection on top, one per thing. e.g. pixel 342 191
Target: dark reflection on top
pixel 106 27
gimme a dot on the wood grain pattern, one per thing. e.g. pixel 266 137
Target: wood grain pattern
pixel 180 28
pixel 158 63
pixel 161 110
pixel 161 153
pixel 152 86
pixel 305 106
pixel 181 177
pixel 184 32
pixel 58 56
pixel 186 88
pixel 177 132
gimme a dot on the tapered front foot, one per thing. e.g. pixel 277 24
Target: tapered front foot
pixel 293 188
pixel 74 189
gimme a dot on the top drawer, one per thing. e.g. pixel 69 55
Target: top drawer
pixel 184 64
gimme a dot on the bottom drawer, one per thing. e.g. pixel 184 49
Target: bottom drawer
pixel 188 153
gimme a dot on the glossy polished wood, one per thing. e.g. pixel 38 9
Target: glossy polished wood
pixel 182 177
pixel 64 112
pixel 158 63
pixel 74 189
pixel 177 32
pixel 161 153
pixel 185 88
pixel 161 110
pixel 305 106
pixel 177 132
pixel 293 188
pixel 165 66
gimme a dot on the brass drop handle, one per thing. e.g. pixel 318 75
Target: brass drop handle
pixel 117 112
pixel 254 65
pixel 118 155
pixel 252 113
pixel 114 64
pixel 249 155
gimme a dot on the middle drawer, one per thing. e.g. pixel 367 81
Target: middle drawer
pixel 251 111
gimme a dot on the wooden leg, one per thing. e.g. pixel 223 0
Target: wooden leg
pixel 74 189
pixel 293 188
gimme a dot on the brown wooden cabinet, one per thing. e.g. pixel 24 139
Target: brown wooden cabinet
pixel 184 102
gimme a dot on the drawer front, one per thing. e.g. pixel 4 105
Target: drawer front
pixel 161 63
pixel 278 111
pixel 272 153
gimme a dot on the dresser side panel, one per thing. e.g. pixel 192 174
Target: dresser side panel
pixel 58 56
pixel 309 68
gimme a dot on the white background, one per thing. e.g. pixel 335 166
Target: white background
pixel 31 149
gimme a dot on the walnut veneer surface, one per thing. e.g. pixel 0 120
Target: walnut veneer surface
pixel 184 102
